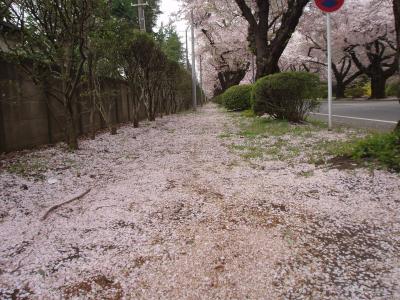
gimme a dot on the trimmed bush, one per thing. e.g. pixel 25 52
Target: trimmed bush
pixel 323 90
pixel 237 98
pixel 359 89
pixel 217 99
pixel 393 89
pixel 287 96
pixel 356 91
pixel 368 89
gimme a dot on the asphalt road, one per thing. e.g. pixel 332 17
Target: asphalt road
pixel 378 115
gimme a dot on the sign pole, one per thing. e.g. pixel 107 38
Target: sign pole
pixel 194 85
pixel 328 29
pixel 329 6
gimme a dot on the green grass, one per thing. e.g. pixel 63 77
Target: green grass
pixel 37 166
pixel 27 167
pixel 253 152
pixel 374 150
pixel 249 113
pixel 252 127
pixel 225 135
pixel 317 123
pixel 260 126
pixel 380 148
pixel 248 152
pixel 321 150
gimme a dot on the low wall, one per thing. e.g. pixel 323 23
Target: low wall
pixel 27 119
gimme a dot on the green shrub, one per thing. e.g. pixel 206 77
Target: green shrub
pixel 393 89
pixel 237 98
pixel 383 148
pixel 288 96
pixel 367 89
pixel 323 90
pixel 356 91
pixel 217 99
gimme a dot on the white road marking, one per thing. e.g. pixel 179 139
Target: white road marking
pixel 354 118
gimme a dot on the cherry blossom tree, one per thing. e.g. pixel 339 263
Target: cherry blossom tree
pixel 371 41
pixel 396 13
pixel 221 38
pixel 270 26
pixel 313 47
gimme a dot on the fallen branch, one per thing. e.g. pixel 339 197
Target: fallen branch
pixel 63 203
pixel 106 206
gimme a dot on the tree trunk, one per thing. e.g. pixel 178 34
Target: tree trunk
pixel 113 129
pixel 135 106
pixel 92 124
pixel 135 111
pixel 150 107
pixel 160 101
pixel 68 99
pixel 268 50
pixel 396 11
pixel 92 96
pixel 228 79
pixel 111 126
pixel 340 89
pixel 378 84
pixel 265 64
pixel 71 138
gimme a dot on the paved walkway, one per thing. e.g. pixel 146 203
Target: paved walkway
pixel 173 213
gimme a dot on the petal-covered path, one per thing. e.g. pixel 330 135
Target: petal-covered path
pixel 174 213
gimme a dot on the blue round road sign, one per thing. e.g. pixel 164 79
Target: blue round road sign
pixel 329 5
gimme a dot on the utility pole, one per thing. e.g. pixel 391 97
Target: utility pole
pixel 141 15
pixel 187 49
pixel 194 96
pixel 201 81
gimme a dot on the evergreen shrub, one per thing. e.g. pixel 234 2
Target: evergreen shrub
pixel 287 96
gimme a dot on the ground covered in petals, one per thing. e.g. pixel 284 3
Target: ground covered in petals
pixel 205 205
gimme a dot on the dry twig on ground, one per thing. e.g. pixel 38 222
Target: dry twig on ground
pixel 63 203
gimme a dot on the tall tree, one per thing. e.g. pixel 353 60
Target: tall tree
pixel 5 10
pixel 313 46
pixel 221 39
pixel 396 13
pixel 372 43
pixel 52 42
pixel 100 48
pixel 270 26
pixel 170 44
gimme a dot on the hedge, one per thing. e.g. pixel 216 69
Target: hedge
pixel 237 98
pixel 289 95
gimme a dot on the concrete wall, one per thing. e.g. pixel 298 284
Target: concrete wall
pixel 27 119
